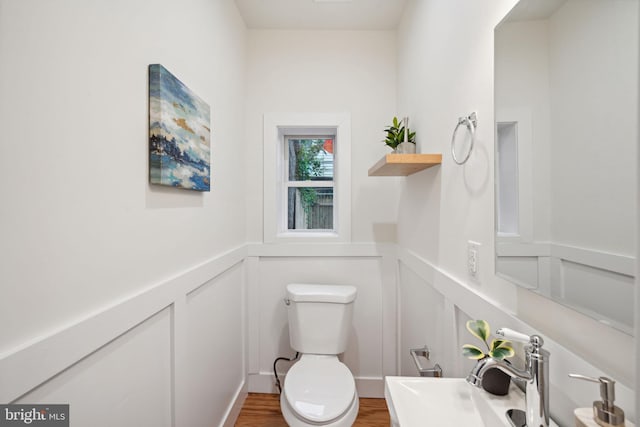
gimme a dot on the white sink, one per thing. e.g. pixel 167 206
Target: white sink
pixel 420 402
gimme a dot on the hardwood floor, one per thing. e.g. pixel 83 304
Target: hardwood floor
pixel 263 410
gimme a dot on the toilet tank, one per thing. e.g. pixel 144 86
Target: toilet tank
pixel 320 317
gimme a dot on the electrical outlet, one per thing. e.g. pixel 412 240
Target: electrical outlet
pixel 473 257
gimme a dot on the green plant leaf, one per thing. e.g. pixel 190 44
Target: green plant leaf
pixel 395 134
pixel 497 342
pixel 472 352
pixel 501 349
pixel 479 328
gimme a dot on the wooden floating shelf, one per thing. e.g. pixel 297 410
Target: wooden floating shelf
pixel 404 164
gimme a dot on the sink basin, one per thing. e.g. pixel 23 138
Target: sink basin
pixel 425 401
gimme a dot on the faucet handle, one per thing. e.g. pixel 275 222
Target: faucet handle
pixel 512 335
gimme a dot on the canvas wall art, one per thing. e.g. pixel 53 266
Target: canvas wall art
pixel 179 133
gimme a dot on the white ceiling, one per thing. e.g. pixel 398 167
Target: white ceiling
pixel 321 14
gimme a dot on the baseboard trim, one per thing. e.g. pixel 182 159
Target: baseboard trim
pixel 231 416
pixel 262 383
pixel 370 387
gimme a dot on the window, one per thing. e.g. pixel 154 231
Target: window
pixel 306 177
pixel 309 182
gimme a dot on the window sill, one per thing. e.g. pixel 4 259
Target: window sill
pixel 301 235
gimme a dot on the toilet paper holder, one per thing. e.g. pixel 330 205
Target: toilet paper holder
pixel 435 371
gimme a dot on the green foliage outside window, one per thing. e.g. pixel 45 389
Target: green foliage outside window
pixel 308 166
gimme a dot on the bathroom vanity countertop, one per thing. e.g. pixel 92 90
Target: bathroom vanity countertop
pixel 418 401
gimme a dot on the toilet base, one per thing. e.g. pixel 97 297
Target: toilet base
pixel 347 419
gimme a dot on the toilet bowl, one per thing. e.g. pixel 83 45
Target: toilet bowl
pixel 319 390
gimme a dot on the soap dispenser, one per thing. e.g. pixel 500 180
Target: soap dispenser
pixel 605 413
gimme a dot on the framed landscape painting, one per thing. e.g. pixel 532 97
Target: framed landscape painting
pixel 179 133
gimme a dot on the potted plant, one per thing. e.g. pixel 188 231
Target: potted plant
pixel 396 136
pixel 494 381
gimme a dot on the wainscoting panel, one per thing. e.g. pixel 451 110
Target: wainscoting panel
pixel 371 268
pixel 422 316
pixel 170 355
pixel 127 382
pixel 596 283
pixel 215 365
pixel 179 353
pixel 462 302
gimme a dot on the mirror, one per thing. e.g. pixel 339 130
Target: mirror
pixel 566 99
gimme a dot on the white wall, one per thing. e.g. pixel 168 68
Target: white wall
pixel 637 306
pixel 522 68
pixel 85 236
pixel 582 108
pixel 442 208
pixel 93 386
pixel 215 366
pixel 434 307
pixel 586 38
pixel 366 334
pixel 98 249
pixel 422 322
pixel 370 268
pixel 81 226
pixel 327 72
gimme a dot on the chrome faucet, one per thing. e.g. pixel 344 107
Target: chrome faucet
pixel 535 374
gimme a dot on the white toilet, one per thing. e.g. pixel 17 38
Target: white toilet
pixel 319 390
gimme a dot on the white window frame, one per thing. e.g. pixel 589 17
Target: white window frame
pixel 278 125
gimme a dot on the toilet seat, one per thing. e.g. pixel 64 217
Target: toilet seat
pixel 319 388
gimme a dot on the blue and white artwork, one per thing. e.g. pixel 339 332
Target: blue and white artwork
pixel 179 133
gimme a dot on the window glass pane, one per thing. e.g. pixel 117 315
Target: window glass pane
pixel 311 159
pixel 310 208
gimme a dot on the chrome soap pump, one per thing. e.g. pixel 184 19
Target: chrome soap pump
pixel 605 413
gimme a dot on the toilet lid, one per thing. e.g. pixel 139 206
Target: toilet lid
pixel 319 388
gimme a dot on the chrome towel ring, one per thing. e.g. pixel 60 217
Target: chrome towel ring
pixel 471 123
